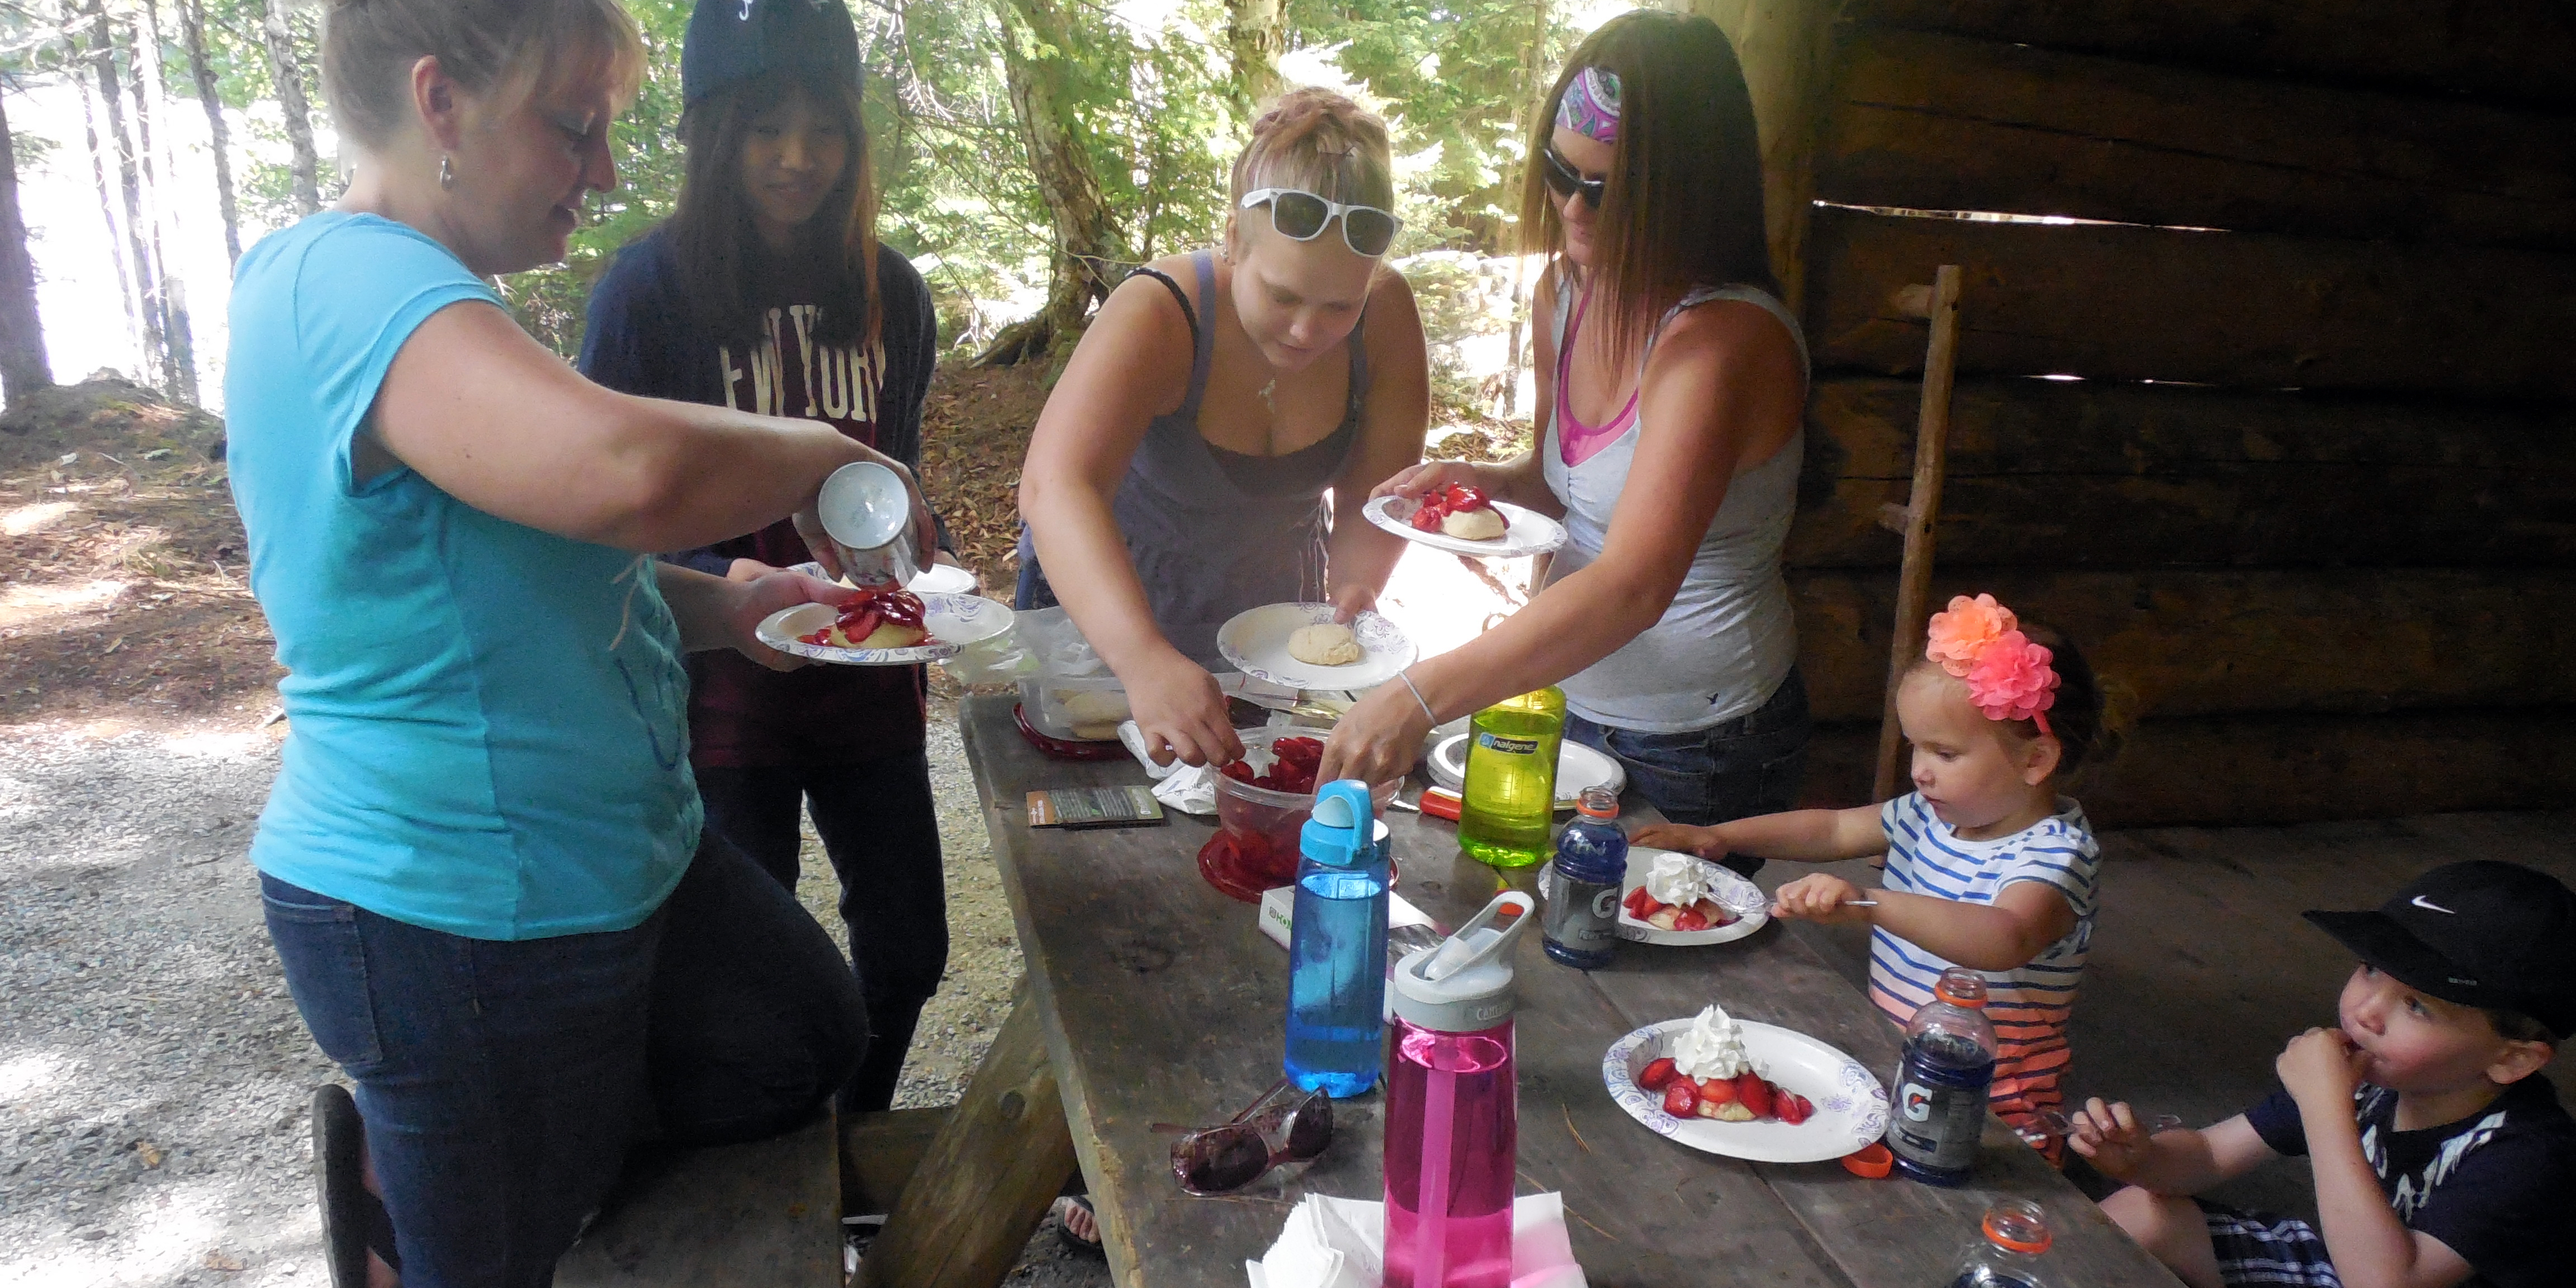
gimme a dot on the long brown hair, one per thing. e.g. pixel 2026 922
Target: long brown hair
pixel 1682 206
pixel 712 235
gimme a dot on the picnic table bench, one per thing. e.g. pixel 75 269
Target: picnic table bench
pixel 1150 998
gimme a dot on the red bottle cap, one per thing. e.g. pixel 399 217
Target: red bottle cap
pixel 1872 1161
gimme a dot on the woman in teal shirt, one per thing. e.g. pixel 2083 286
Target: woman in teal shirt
pixel 483 863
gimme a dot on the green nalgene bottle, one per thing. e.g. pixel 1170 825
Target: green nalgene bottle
pixel 1510 793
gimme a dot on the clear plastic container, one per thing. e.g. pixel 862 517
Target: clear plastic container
pixel 1083 708
pixel 1257 849
pixel 2013 1239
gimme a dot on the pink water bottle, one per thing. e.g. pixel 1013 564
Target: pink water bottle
pixel 1452 1107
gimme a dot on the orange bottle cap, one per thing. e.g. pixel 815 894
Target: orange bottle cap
pixel 1872 1161
pixel 2017 1225
pixel 1960 987
pixel 1597 802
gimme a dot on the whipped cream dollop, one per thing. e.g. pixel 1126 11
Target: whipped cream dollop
pixel 1680 880
pixel 1712 1047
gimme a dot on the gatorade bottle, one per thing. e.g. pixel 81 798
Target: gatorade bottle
pixel 1942 1081
pixel 1509 798
pixel 2015 1234
pixel 1581 919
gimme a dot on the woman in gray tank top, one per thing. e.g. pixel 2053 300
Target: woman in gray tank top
pixel 1177 476
pixel 1672 385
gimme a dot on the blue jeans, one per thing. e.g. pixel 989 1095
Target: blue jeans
pixel 503 1082
pixel 881 829
pixel 1746 766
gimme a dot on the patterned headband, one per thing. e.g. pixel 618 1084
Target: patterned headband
pixel 1591 105
pixel 2009 678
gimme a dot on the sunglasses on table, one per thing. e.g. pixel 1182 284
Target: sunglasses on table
pixel 1299 215
pixel 1565 181
pixel 1234 1154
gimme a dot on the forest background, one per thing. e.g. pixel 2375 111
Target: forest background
pixel 1029 151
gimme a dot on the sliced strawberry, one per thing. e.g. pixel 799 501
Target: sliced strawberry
pixel 1689 919
pixel 1463 497
pixel 1790 1106
pixel 1658 1072
pixel 1680 1097
pixel 1754 1093
pixel 1717 1091
pixel 1426 517
pixel 1639 904
pixel 1239 772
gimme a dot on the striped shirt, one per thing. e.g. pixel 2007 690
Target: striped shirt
pixel 2028 1005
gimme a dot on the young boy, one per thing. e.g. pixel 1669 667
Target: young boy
pixel 2441 1154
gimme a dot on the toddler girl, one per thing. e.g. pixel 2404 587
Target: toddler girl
pixel 1988 867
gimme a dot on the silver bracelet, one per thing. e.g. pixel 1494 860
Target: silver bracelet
pixel 1427 712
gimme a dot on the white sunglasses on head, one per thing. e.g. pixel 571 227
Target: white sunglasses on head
pixel 1300 215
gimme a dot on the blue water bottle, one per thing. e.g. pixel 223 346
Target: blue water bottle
pixel 1942 1082
pixel 1581 920
pixel 1337 945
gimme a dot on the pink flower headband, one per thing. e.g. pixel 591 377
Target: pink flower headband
pixel 1591 105
pixel 2009 678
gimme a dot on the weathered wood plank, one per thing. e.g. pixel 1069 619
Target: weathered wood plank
pixel 881 1151
pixel 2511 50
pixel 989 1174
pixel 2089 473
pixel 762 1215
pixel 2240 309
pixel 1165 1002
pixel 1786 48
pixel 1936 122
pixel 2227 642
pixel 2290 768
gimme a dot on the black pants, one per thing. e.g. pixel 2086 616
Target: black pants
pixel 881 830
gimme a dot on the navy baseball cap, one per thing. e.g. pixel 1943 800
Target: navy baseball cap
pixel 2483 933
pixel 733 41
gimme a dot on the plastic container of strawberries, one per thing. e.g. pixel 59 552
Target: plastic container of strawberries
pixel 1255 848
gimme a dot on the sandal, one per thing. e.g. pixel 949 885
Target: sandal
pixel 354 1222
pixel 1075 1243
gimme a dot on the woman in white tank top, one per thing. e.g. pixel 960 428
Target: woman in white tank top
pixel 1672 385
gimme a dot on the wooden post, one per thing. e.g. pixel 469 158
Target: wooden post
pixel 1923 507
pixel 989 1176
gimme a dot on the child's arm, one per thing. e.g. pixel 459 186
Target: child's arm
pixel 2017 927
pixel 1805 835
pixel 2172 1162
pixel 2370 1247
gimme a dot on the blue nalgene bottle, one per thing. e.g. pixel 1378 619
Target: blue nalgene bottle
pixel 1337 945
pixel 1581 921
pixel 1942 1082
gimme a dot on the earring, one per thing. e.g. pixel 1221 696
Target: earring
pixel 446 171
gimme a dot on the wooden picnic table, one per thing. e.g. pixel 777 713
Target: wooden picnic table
pixel 1159 1000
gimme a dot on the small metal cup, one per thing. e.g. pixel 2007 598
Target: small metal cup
pixel 867 513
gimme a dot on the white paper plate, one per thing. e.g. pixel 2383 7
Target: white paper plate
pixel 954 620
pixel 1851 1106
pixel 1527 532
pixel 1641 860
pixel 1255 642
pixel 1577 767
pixel 942 579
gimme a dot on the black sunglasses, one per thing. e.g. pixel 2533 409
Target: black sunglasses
pixel 1300 216
pixel 1216 1160
pixel 1565 181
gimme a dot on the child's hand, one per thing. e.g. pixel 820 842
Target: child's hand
pixel 1702 841
pixel 2111 1137
pixel 1820 897
pixel 2321 1067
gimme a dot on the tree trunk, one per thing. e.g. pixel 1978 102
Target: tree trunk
pixel 1089 245
pixel 23 368
pixel 147 284
pixel 192 29
pixel 73 55
pixel 144 80
pixel 287 70
pixel 1258 35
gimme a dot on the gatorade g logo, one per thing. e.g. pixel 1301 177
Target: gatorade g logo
pixel 1605 905
pixel 1915 1100
pixel 1508 746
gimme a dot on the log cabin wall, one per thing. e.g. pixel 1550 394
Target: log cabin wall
pixel 2277 418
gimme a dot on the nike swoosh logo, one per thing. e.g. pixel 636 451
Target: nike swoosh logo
pixel 2430 906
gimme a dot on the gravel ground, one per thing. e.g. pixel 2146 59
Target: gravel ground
pixel 153 1072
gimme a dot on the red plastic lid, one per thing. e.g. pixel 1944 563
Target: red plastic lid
pixel 2017 1225
pixel 1873 1161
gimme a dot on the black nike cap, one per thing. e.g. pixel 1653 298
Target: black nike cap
pixel 733 41
pixel 2483 933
